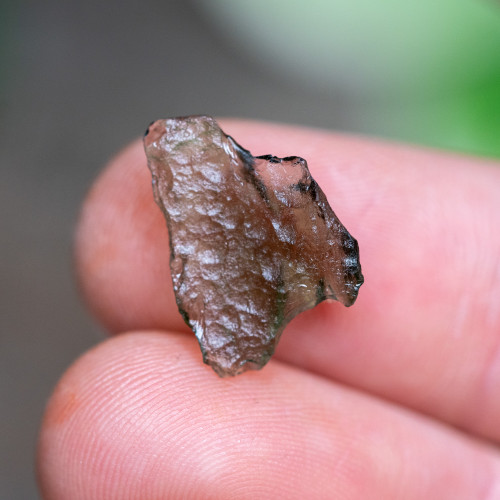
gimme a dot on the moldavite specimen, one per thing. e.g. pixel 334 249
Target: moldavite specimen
pixel 253 240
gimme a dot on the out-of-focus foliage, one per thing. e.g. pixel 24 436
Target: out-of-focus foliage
pixel 423 71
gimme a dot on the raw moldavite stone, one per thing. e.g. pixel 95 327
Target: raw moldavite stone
pixel 253 240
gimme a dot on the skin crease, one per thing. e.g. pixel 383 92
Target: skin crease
pixel 395 397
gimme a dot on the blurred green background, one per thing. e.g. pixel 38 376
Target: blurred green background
pixel 425 72
pixel 80 79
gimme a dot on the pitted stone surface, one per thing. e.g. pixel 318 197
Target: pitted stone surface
pixel 253 240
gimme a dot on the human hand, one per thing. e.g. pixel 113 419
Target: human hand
pixel 397 397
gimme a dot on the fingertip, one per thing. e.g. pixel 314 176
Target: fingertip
pixel 140 416
pixel 122 251
pixel 426 224
pixel 81 453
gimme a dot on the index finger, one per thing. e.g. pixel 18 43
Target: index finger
pixel 425 331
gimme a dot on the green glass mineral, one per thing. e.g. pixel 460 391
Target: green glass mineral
pixel 253 240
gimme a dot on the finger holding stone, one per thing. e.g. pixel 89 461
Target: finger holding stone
pixel 425 330
pixel 140 417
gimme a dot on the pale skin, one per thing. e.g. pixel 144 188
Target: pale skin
pixel 397 397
